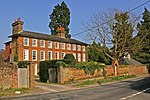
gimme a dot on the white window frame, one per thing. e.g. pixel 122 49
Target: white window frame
pixel 68 46
pixel 50 57
pixel 57 55
pixel 83 48
pixel 36 70
pixel 79 57
pixel 49 44
pixel 62 45
pixel 26 41
pixel 79 48
pixel 34 44
pixel 83 57
pixel 35 55
pixel 42 56
pixel 63 54
pixel 74 47
pixel 42 43
pixel 56 45
pixel 25 54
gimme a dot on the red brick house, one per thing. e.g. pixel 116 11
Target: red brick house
pixel 36 47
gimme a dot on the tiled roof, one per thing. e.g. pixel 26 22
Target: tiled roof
pixel 129 61
pixel 47 37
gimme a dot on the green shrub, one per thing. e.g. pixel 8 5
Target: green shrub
pixel 43 71
pixel 23 64
pixel 69 59
pixel 45 65
pixel 90 67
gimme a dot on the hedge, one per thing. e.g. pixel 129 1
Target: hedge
pixel 43 69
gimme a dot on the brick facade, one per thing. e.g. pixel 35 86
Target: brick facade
pixel 19 37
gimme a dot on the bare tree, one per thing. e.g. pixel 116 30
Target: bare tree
pixel 114 29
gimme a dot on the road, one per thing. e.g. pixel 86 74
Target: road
pixel 137 89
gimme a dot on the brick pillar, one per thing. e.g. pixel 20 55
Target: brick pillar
pixel 60 74
pixel 31 76
pixel 15 76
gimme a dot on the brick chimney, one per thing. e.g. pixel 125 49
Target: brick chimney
pixel 17 26
pixel 61 32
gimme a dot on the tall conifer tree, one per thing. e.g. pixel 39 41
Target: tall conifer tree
pixel 60 16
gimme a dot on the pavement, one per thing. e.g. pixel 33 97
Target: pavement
pixel 41 88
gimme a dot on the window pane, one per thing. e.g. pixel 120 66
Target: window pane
pixel 42 43
pixel 34 55
pixel 50 55
pixel 26 41
pixel 63 45
pixel 57 55
pixel 26 55
pixel 49 44
pixel 57 45
pixel 42 55
pixel 34 42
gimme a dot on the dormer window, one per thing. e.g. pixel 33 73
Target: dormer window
pixel 26 41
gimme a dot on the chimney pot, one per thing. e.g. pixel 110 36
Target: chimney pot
pixel 18 19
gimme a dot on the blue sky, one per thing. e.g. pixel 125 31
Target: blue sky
pixel 35 14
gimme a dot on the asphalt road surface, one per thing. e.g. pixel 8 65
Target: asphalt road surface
pixel 137 89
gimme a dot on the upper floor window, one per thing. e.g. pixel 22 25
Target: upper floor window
pixel 25 54
pixel 49 44
pixel 34 55
pixel 74 47
pixel 57 45
pixel 83 48
pixel 69 46
pixel 79 48
pixel 42 43
pixel 26 41
pixel 63 45
pixel 57 55
pixel 34 42
pixel 42 55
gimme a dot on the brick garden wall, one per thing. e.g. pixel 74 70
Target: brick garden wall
pixel 69 74
pixel 8 76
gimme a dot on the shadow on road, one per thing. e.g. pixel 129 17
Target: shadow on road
pixel 141 85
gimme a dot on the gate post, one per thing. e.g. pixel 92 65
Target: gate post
pixel 60 74
pixel 31 76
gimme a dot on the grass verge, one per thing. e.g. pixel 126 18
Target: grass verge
pixel 105 80
pixel 11 91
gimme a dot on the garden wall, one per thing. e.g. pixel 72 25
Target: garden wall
pixel 8 76
pixel 71 74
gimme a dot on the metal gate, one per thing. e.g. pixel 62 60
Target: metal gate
pixel 23 77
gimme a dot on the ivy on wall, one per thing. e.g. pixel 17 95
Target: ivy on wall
pixel 23 64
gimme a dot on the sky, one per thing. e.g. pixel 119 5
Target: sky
pixel 35 14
